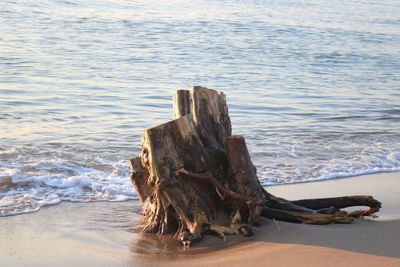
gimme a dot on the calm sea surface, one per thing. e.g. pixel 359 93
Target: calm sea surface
pixel 313 85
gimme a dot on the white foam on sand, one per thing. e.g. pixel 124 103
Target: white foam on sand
pixel 28 182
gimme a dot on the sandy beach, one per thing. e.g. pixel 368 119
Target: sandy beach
pixel 107 234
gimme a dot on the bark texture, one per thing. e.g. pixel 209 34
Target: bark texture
pixel 194 177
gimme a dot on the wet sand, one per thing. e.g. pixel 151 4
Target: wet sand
pixel 107 234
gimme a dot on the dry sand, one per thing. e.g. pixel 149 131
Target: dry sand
pixel 106 234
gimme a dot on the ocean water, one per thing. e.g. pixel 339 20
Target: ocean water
pixel 313 85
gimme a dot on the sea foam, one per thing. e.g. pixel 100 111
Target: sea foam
pixel 32 179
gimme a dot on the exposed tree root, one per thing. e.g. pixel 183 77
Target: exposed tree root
pixel 343 202
pixel 207 177
pixel 308 211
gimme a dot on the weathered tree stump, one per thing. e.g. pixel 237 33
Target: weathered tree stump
pixel 194 178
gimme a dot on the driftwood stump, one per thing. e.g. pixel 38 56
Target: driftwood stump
pixel 194 178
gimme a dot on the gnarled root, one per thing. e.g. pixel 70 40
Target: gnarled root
pixel 308 211
pixel 343 202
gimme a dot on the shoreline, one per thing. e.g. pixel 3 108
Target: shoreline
pixel 334 178
pixel 107 234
